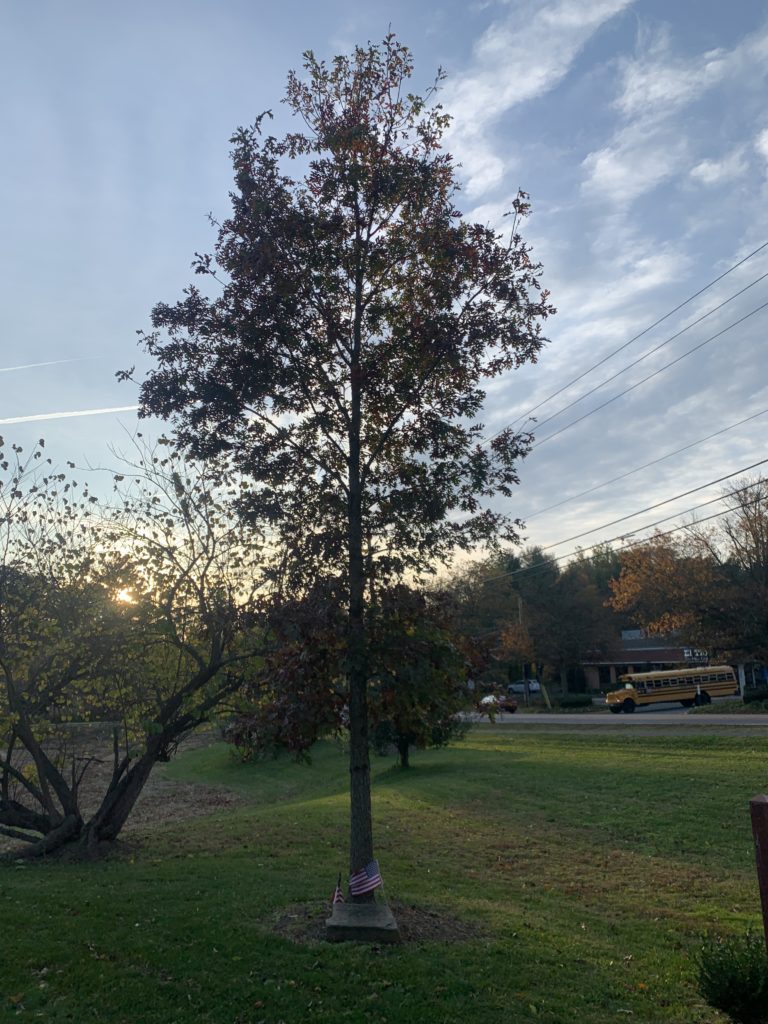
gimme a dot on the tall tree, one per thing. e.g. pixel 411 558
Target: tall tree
pixel 664 586
pixel 344 357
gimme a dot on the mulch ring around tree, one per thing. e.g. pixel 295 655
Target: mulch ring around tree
pixel 304 923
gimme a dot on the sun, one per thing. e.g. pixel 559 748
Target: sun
pixel 125 596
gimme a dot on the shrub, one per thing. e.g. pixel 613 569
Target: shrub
pixel 732 707
pixel 733 977
pixel 574 700
pixel 760 694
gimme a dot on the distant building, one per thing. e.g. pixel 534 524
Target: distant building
pixel 636 652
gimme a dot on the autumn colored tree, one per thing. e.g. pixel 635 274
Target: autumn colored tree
pixel 132 619
pixel 664 585
pixel 709 585
pixel 356 318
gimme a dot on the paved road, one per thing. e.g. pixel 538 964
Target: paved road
pixel 647 718
pixel 638 720
pixel 669 715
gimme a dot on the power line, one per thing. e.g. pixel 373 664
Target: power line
pixel 650 376
pixel 658 504
pixel 622 536
pixel 632 340
pixel 632 515
pixel 646 465
pixel 657 522
pixel 652 351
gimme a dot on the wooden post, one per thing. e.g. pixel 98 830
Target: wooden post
pixel 758 808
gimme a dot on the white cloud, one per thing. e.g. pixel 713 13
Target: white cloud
pixel 657 84
pixel 713 172
pixel 640 275
pixel 654 143
pixel 515 60
pixel 761 143
pixel 633 164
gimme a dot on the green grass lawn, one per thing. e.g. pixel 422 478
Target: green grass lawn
pixel 591 865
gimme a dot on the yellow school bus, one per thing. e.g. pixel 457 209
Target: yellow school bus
pixel 688 685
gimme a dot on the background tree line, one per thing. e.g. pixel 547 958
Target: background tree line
pixel 533 616
pixel 705 585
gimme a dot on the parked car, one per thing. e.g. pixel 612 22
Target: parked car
pixel 497 702
pixel 519 686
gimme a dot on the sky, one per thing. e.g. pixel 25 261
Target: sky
pixel 640 130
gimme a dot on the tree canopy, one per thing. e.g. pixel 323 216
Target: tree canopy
pixel 418 661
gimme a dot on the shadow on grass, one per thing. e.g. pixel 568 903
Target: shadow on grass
pixel 681 799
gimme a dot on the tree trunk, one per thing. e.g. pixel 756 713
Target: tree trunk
pixel 403 749
pixel 108 821
pixel 64 834
pixel 361 825
pixel 105 825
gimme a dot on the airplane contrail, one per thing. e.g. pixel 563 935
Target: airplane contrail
pixel 50 362
pixel 67 415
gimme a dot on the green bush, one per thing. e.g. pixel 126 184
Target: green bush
pixel 574 700
pixel 759 706
pixel 732 707
pixel 733 977
pixel 760 694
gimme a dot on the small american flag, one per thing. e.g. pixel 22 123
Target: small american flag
pixel 338 895
pixel 365 879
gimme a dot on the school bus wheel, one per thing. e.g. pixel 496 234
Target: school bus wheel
pixel 628 706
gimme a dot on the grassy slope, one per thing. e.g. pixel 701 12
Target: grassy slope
pixel 593 863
